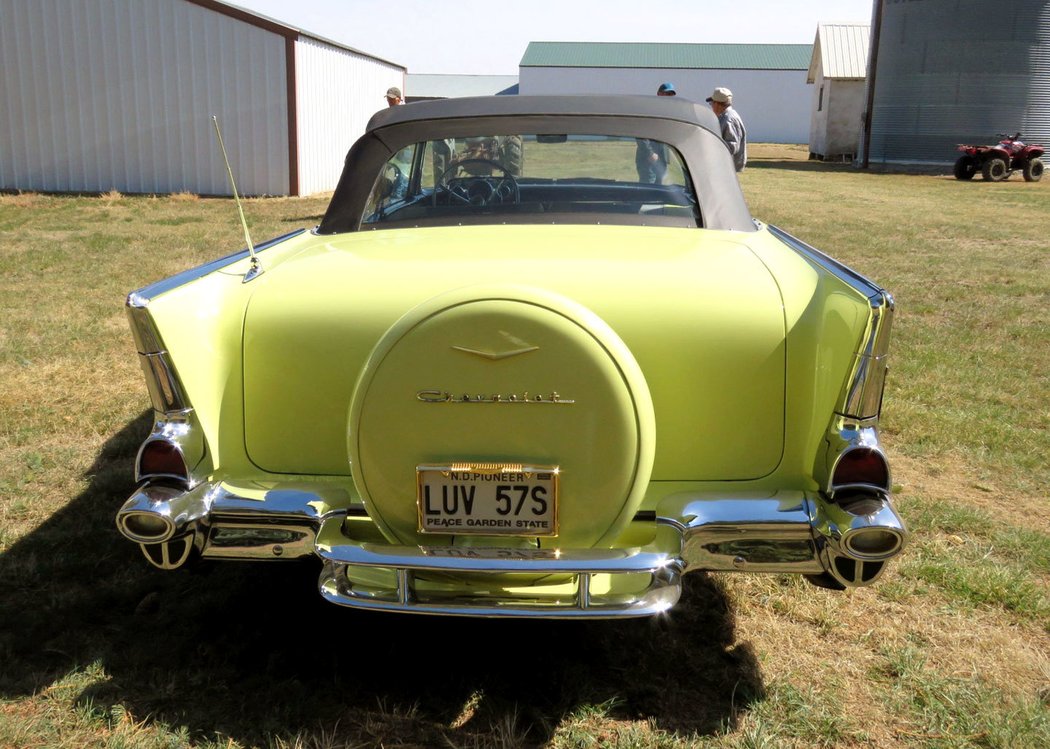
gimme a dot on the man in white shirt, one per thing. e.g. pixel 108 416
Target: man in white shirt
pixel 733 131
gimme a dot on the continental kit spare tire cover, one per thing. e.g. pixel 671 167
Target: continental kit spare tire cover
pixel 506 375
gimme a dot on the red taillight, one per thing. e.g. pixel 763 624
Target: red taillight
pixel 862 465
pixel 162 458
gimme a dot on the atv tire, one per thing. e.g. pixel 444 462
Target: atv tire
pixel 1033 170
pixel 965 167
pixel 995 169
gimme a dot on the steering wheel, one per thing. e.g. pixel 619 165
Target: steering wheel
pixel 479 190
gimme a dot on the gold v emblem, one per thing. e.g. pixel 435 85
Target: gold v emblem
pixel 496 355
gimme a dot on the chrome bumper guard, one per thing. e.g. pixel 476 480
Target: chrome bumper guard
pixel 409 566
pixel 843 544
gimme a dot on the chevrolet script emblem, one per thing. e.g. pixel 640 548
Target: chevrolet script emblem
pixel 444 396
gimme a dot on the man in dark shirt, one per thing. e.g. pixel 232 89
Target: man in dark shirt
pixel 650 158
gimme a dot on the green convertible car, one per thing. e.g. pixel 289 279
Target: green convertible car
pixel 537 360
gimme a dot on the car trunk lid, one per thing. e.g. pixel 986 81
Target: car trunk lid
pixel 700 314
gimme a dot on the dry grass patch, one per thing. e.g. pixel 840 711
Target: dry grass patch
pixel 955 477
pixel 850 653
pixel 21 199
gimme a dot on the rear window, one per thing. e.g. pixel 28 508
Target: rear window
pixel 531 179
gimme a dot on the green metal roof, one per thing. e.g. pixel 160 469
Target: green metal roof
pixel 650 55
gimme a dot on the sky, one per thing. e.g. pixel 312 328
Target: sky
pixel 489 37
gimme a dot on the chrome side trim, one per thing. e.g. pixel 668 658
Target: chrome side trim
pixel 165 390
pixel 147 339
pixel 843 272
pixel 142 297
pixel 862 394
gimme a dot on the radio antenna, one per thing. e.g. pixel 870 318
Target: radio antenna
pixel 256 269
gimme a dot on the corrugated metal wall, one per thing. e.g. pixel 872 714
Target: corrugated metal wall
pixel 118 94
pixel 844 49
pixel 959 71
pixel 338 91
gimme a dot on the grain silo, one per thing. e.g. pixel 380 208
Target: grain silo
pixel 956 71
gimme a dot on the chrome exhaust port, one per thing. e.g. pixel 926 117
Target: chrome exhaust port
pixel 163 521
pixel 860 533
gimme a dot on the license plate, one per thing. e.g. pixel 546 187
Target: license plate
pixel 489 499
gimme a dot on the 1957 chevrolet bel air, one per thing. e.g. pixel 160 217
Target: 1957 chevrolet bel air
pixel 515 371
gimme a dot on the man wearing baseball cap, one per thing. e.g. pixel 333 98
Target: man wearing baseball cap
pixel 397 169
pixel 650 158
pixel 733 131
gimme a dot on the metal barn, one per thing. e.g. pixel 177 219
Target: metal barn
pixel 768 81
pixel 947 72
pixel 103 95
pixel 838 72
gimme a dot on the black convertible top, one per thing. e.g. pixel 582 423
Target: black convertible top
pixel 662 107
pixel 689 127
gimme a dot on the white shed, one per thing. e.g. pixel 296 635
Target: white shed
pixel 838 70
pixel 102 95
pixel 768 81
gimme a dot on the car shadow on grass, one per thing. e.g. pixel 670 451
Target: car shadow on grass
pixel 798 165
pixel 311 220
pixel 252 653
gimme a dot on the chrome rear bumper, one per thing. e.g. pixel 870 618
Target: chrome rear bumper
pixel 562 583
pixel 843 544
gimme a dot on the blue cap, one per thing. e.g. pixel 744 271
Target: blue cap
pixel 666 88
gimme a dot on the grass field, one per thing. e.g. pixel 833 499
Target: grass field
pixel 951 649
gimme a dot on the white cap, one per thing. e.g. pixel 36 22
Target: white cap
pixel 722 96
